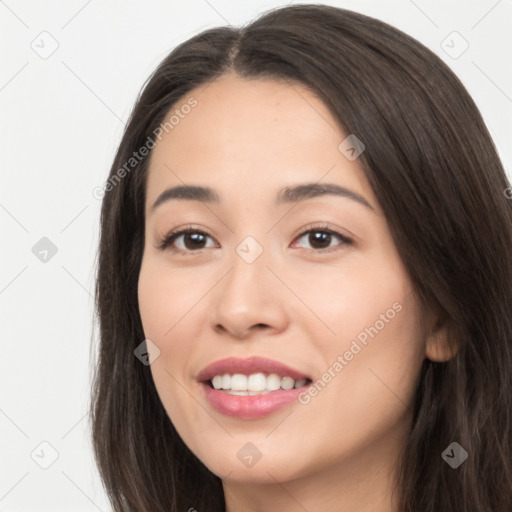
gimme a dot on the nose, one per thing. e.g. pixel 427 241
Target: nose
pixel 249 299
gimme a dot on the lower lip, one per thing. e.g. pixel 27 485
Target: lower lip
pixel 250 407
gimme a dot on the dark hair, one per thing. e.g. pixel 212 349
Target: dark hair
pixel 436 173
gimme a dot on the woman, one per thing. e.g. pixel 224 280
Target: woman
pixel 305 285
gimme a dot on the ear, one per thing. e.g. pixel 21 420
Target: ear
pixel 440 346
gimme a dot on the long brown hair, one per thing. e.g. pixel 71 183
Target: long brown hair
pixel 436 173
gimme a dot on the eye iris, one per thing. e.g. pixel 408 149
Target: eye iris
pixel 319 237
pixel 196 238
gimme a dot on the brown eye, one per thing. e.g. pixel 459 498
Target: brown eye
pixel 186 240
pixel 319 239
pixel 323 239
pixel 194 240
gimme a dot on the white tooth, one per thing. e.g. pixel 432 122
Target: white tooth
pixel 273 382
pixel 217 381
pixel 226 381
pixel 257 382
pixel 287 383
pixel 239 382
pixel 300 383
pixel 254 384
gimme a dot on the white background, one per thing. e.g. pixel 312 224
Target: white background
pixel 61 120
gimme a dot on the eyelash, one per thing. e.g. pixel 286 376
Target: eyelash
pixel 168 239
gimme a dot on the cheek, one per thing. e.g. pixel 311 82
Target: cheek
pixel 166 304
pixel 367 389
pixel 165 297
pixel 371 341
pixel 166 300
pixel 346 300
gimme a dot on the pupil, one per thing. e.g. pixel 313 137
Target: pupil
pixel 319 237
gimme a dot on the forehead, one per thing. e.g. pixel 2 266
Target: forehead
pixel 238 114
pixel 244 133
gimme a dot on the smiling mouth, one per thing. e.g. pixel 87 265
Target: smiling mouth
pixel 251 388
pixel 254 384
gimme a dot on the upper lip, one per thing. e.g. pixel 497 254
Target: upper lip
pixel 248 366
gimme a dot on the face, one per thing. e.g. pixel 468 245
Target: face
pixel 276 288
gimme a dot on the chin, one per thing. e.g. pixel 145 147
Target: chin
pixel 259 461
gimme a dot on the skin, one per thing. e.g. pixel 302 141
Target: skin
pixel 248 139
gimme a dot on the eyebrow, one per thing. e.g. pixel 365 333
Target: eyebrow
pixel 286 195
